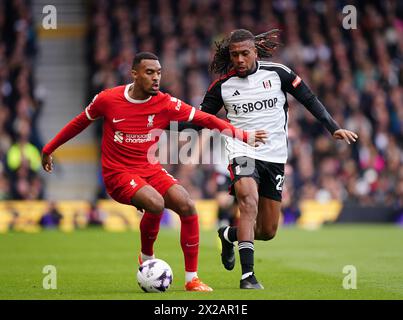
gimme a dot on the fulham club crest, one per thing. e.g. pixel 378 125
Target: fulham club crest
pixel 267 84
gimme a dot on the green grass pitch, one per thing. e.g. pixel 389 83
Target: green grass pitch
pixel 297 264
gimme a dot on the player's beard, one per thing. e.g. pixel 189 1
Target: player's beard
pixel 243 75
pixel 153 91
pixel 247 71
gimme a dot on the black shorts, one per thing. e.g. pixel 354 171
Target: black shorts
pixel 269 176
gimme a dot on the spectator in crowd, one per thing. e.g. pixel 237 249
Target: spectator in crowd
pixel 51 218
pixel 96 216
pixel 23 164
pixel 22 151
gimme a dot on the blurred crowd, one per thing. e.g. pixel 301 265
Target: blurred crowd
pixel 20 143
pixel 356 73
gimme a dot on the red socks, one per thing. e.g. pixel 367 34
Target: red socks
pixel 190 241
pixel 149 227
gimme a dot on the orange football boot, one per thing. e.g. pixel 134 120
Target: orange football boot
pixel 197 285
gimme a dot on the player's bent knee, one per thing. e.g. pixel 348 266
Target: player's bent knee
pixel 158 206
pixel 155 205
pixel 187 207
pixel 266 234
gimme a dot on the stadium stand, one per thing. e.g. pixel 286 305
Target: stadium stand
pixel 19 105
pixel 357 74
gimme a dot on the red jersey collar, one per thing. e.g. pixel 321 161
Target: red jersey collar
pixel 128 98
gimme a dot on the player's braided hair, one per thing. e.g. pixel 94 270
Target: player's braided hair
pixel 265 44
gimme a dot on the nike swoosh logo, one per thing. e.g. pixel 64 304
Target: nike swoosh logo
pixel 117 120
pixel 191 245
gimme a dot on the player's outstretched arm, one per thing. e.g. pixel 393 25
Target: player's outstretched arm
pixel 344 134
pixel 180 111
pixel 253 138
pixel 312 103
pixel 293 84
pixel 73 128
pixel 47 162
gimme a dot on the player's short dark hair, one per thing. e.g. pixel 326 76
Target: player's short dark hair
pixel 143 56
pixel 265 43
pixel 240 35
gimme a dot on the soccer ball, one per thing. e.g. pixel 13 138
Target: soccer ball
pixel 154 275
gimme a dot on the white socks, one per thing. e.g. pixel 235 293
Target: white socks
pixel 244 276
pixel 145 257
pixel 225 234
pixel 189 276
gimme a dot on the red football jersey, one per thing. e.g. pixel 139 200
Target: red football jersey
pixel 131 126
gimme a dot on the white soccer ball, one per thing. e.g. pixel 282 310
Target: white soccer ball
pixel 154 275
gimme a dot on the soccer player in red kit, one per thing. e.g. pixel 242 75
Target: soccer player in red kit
pixel 134 115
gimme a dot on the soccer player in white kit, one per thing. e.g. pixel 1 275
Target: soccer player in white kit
pixel 254 95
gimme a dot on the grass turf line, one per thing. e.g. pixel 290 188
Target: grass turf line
pixel 297 264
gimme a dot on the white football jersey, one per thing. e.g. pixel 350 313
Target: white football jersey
pixel 259 102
